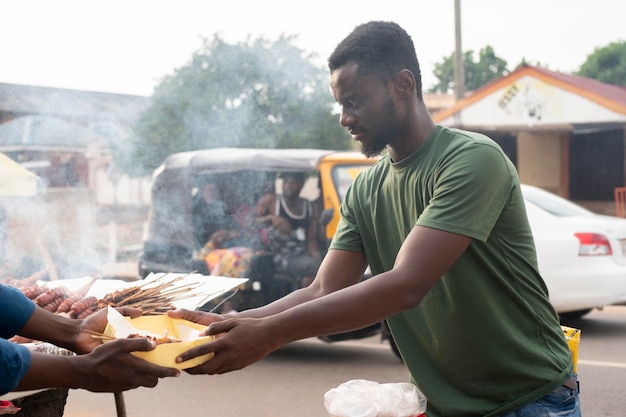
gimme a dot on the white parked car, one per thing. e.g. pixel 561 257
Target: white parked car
pixel 581 254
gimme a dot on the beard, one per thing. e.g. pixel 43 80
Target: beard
pixel 379 143
pixel 385 136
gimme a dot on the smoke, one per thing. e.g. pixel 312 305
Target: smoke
pixel 66 226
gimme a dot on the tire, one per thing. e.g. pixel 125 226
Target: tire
pixel 575 314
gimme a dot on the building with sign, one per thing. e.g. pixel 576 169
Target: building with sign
pixel 564 133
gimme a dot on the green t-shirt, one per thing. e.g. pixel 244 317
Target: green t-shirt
pixel 485 339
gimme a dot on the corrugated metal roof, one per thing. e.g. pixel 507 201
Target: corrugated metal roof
pixel 70 104
pixel 43 133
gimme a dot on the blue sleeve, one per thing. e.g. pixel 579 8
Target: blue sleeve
pixel 14 362
pixel 15 310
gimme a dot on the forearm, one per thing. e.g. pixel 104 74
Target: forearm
pixel 297 297
pixel 49 327
pixel 343 311
pixel 417 269
pixel 352 265
pixel 53 371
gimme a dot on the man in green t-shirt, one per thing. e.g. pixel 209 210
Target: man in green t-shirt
pixel 441 221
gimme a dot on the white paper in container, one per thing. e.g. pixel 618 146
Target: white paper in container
pixel 124 328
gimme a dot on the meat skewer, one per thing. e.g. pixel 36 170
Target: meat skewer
pixel 67 303
pixel 32 291
pixel 82 305
pixel 54 304
pixel 50 295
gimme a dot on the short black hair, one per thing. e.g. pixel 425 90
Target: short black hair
pixel 379 48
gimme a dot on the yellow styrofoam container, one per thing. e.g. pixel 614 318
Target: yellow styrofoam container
pixel 165 354
pixel 572 336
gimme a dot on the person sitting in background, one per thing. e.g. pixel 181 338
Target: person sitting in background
pixel 98 367
pixel 229 252
pixel 292 230
pixel 217 232
pixel 209 214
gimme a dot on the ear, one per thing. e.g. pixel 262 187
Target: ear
pixel 405 83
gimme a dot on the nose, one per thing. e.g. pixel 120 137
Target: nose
pixel 346 118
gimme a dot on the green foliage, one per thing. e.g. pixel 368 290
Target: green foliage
pixel 606 64
pixel 251 94
pixel 487 68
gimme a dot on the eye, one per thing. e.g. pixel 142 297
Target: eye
pixel 351 102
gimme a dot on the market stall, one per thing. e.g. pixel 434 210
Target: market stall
pixel 79 297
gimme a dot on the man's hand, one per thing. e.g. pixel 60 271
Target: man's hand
pixel 239 342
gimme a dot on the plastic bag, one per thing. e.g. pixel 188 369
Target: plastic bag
pixel 7 407
pixel 362 398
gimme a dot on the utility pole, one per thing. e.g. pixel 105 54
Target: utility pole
pixel 459 68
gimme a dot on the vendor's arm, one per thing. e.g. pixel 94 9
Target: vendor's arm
pixel 69 333
pixel 331 304
pixel 21 316
pixel 50 327
pixel 109 368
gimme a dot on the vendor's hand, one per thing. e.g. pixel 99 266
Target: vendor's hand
pixel 84 342
pixel 112 368
pixel 241 342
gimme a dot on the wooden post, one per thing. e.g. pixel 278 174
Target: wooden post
pixel 120 406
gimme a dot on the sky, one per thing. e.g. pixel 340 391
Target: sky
pixel 128 46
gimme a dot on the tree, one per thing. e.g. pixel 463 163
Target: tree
pixel 477 73
pixel 606 64
pixel 250 94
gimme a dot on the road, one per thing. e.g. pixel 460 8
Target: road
pixel 292 381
